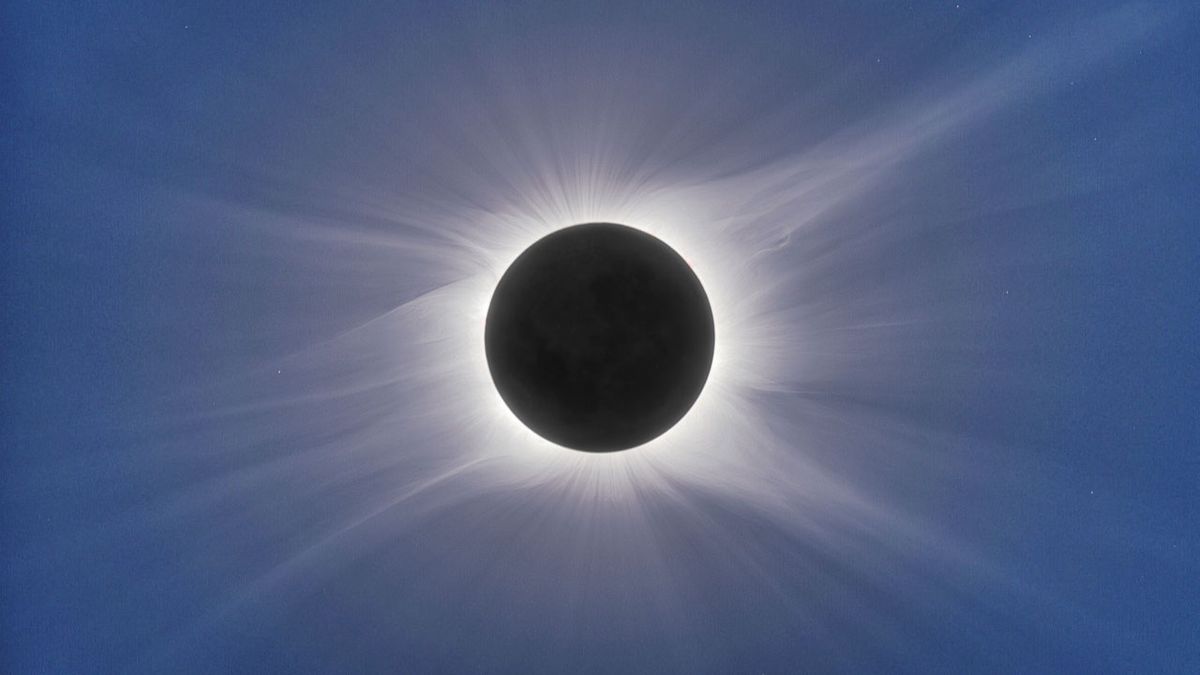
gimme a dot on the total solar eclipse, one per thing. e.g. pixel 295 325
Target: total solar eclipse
pixel 599 337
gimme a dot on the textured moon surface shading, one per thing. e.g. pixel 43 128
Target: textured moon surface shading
pixel 599 337
pixel 942 418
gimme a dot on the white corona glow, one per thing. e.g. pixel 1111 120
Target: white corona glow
pixel 721 443
pixel 657 214
pixel 404 404
pixel 727 220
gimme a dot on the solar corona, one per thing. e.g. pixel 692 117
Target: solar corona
pixel 685 336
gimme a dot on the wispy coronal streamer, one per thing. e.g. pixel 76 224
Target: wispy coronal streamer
pixel 395 422
pixel 858 485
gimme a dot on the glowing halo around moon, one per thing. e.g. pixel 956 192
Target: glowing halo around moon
pixel 737 221
pixel 393 429
pixel 721 442
pixel 665 218
pixel 728 221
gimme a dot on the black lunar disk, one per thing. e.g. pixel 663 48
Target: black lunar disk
pixel 599 337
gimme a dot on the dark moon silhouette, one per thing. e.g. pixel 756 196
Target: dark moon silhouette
pixel 599 337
